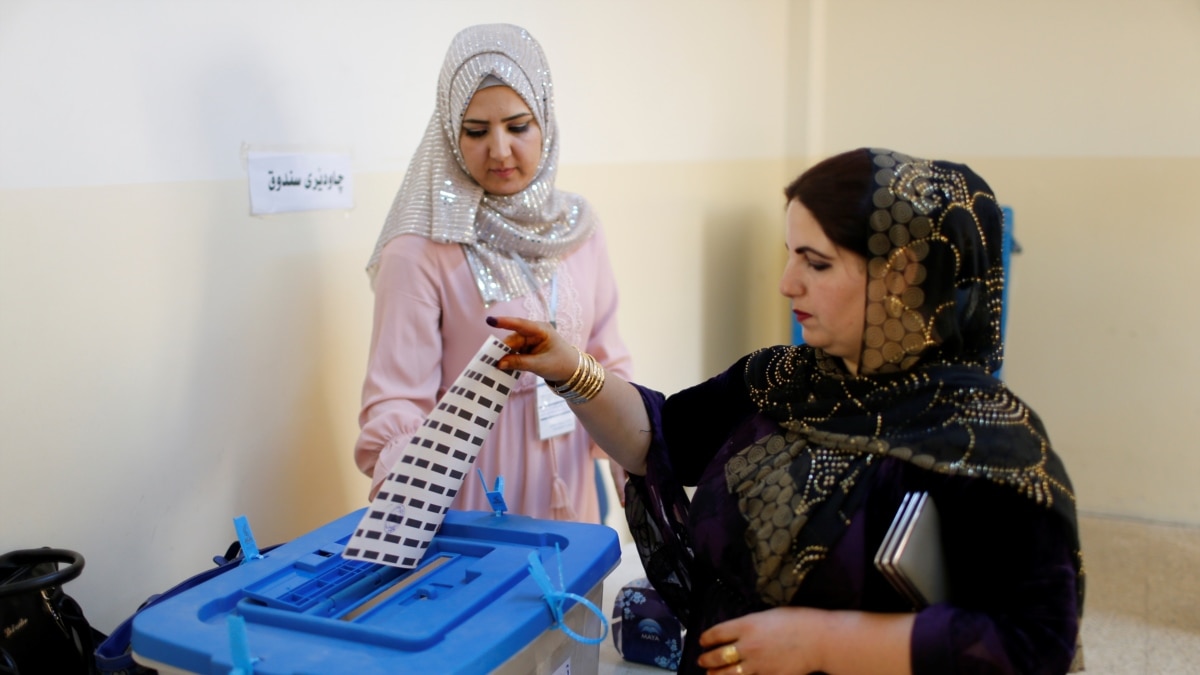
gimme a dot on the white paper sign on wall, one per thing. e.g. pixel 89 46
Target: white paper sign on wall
pixel 283 182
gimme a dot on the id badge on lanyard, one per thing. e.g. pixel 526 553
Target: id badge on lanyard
pixel 554 415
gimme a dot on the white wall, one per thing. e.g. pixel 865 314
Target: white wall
pixel 138 91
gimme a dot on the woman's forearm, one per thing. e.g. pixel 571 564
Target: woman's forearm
pixel 616 419
pixel 865 642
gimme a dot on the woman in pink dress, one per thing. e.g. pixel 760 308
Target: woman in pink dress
pixel 479 228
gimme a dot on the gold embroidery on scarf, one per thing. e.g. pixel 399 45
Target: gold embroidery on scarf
pixel 912 198
pixel 776 508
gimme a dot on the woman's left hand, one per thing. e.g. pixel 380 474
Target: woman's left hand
pixel 539 349
pixel 779 640
pixel 805 640
pixel 615 415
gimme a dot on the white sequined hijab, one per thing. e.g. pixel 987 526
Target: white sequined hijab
pixel 505 238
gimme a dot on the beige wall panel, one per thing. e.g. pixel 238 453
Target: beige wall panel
pixel 1100 340
pixel 1021 78
pixel 169 362
pixel 697 249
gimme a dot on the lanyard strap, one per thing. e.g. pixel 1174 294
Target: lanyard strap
pixel 551 301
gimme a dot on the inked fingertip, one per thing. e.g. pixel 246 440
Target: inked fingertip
pixel 491 321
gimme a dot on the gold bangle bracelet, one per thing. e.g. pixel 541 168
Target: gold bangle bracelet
pixel 565 385
pixel 584 384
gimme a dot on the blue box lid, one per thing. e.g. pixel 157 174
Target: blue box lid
pixel 469 606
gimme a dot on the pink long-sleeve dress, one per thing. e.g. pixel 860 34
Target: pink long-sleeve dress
pixel 430 320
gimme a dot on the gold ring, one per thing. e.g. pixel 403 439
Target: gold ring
pixel 730 655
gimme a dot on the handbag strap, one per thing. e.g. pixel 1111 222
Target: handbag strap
pixel 114 654
pixel 28 558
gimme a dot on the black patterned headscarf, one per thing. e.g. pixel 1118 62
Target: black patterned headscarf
pixel 935 275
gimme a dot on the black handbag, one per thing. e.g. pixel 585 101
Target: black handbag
pixel 42 629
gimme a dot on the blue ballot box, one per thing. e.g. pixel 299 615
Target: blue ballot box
pixel 473 605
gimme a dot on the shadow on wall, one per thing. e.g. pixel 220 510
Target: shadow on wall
pixel 737 288
pixel 249 431
pixel 257 377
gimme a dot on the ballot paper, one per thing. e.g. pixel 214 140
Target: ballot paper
pixel 412 501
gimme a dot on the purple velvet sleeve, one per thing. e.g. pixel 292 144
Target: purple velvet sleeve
pixel 1013 584
pixel 697 421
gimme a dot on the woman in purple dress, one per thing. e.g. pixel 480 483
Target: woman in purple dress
pixel 802 455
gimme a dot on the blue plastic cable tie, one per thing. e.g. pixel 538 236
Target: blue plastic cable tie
pixel 495 496
pixel 555 599
pixel 246 537
pixel 239 646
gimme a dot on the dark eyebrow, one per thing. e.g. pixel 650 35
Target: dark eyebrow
pixel 510 118
pixel 808 249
